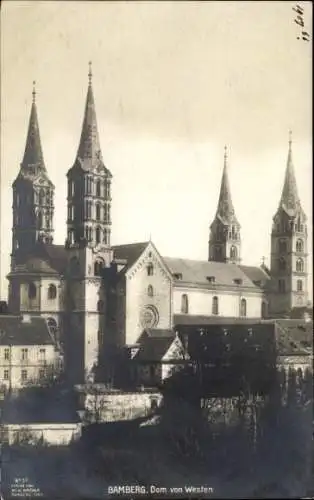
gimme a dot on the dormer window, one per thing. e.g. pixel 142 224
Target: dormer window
pixel 211 279
pixel 177 276
pixel 237 281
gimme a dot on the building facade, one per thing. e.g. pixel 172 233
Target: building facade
pixel 97 297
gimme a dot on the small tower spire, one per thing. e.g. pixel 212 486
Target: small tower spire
pixel 225 206
pixel 33 155
pixel 90 74
pixel 289 197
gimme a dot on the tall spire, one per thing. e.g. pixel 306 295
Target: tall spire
pixel 33 154
pixel 89 152
pixel 225 208
pixel 289 197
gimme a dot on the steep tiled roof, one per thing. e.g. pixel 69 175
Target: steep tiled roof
pixel 130 252
pixel 153 349
pixel 43 259
pixel 15 331
pixel 197 272
pixel 256 275
pixel 197 320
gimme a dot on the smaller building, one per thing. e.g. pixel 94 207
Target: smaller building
pixel 28 352
pixel 158 354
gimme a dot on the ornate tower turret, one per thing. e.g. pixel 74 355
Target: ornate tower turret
pixel 289 271
pixel 88 250
pixel 224 239
pixel 33 193
pixel 89 181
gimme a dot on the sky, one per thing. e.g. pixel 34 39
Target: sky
pixel 174 82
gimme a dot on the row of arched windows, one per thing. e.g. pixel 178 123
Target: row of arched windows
pixel 282 265
pixel 98 211
pixel 51 293
pixel 215 305
pixel 282 285
pixel 299 247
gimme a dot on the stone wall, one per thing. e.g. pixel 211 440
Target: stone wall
pixel 46 434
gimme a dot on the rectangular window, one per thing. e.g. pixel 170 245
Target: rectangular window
pixel 24 354
pixel 24 375
pixel 42 355
pixel 41 374
pixel 7 354
pixel 6 375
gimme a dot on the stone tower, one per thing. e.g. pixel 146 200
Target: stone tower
pixel 88 249
pixel 33 194
pixel 289 272
pixel 224 239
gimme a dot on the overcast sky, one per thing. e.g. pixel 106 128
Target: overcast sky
pixel 173 83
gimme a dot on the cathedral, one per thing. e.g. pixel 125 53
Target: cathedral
pixel 98 297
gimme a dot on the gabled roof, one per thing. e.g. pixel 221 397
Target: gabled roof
pixel 256 275
pixel 130 252
pixel 153 349
pixel 197 272
pixel 15 331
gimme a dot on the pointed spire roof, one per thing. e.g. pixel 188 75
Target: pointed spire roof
pixel 33 154
pixel 290 200
pixel 89 152
pixel 225 209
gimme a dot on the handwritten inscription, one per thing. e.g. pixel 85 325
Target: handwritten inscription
pixel 299 20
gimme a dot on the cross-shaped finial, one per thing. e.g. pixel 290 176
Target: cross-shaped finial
pixel 225 155
pixel 290 138
pixel 34 91
pixel 90 74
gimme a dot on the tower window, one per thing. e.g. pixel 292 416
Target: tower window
pixel 299 226
pixel 32 291
pixel 299 246
pixel 184 304
pixel 282 246
pixel 100 306
pixel 40 220
pixel 243 308
pixel 52 326
pixel 282 286
pixel 299 285
pixel 98 238
pixel 98 211
pixel 215 306
pixel 300 266
pixel 282 264
pixel 71 188
pixel 52 292
pixel 150 270
pixel 264 309
pixel 98 188
pixel 98 267
pixel 41 197
pixel 106 234
pixel 233 252
pixel 150 291
pixel 74 266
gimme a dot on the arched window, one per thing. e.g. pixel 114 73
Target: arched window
pixel 71 188
pixel 264 310
pixel 52 325
pixel 41 197
pixel 52 292
pixel 300 266
pixel 98 211
pixel 282 246
pixel 32 291
pixel 150 270
pixel 282 264
pixel 233 252
pixel 100 306
pixel 74 266
pixel 90 234
pixel 98 238
pixel 281 285
pixel 299 246
pixel 98 265
pixel 243 308
pixel 184 304
pixel 98 188
pixel 299 285
pixel 215 306
pixel 150 291
pixel 299 227
pixel 40 220
pixel 105 236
